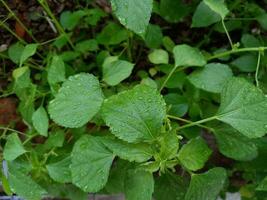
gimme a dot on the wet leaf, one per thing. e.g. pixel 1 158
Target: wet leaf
pixel 134 15
pixel 206 186
pixel 139 185
pixel 40 121
pixel 244 107
pixel 13 147
pixel 90 163
pixel 135 115
pixel 78 100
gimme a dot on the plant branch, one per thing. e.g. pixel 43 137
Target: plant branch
pixel 13 130
pixel 19 21
pixel 234 51
pixel 12 32
pixel 197 123
pixel 189 122
pixel 227 34
pixel 167 78
pixel 45 6
pixel 257 69
pixel 241 19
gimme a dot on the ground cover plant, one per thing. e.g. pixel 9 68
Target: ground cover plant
pixel 158 99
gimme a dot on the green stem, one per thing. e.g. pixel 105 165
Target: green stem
pixel 34 66
pixel 12 32
pixel 197 122
pixel 13 130
pixel 45 6
pixel 48 41
pixel 227 34
pixel 233 51
pixel 6 95
pixel 241 19
pixel 189 122
pixel 167 78
pixel 219 55
pixel 3 134
pixel 46 156
pixel 28 139
pixel 19 21
pixel 16 36
pixel 123 50
pixel 257 69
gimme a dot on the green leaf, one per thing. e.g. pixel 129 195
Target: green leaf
pixel 5 186
pixel 176 80
pixel 169 145
pixel 24 186
pixel 26 105
pixel 184 55
pixel 244 107
pixel 212 77
pixel 87 45
pixel 206 186
pixel 262 20
pixel 112 34
pixel 13 147
pixel 40 121
pixel 249 40
pixel 139 185
pixel 194 154
pixel 66 191
pixel 204 16
pixel 135 115
pixel 60 171
pixel 169 186
pixel 246 63
pixel 132 152
pixel 62 40
pixel 134 15
pixel 56 71
pixel 28 51
pixel 153 36
pixel 77 101
pixel 178 104
pixel 262 185
pixel 22 78
pixel 94 15
pixel 115 71
pixel 173 11
pixel 90 163
pixel 56 139
pixel 15 51
pixel 234 145
pixel 159 56
pixel 117 176
pixel 69 55
pixel 149 82
pixel 26 109
pixel 231 25
pixel 217 6
pixel 70 19
pixel 168 43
